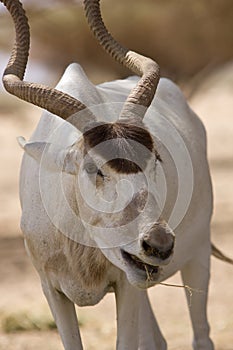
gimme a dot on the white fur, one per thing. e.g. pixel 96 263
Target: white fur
pixel 187 212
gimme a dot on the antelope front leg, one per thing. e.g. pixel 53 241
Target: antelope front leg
pixel 196 275
pixel 128 305
pixel 150 336
pixel 64 314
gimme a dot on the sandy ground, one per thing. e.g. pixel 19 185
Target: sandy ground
pixel 20 288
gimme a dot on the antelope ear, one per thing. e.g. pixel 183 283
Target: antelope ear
pixel 51 157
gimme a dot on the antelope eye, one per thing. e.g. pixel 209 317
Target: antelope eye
pixel 91 168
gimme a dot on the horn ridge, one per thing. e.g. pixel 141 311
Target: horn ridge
pixel 54 101
pixel 19 56
pixel 143 93
pixel 44 97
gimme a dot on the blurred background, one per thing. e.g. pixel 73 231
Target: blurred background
pixel 193 43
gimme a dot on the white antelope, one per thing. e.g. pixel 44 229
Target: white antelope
pixel 118 199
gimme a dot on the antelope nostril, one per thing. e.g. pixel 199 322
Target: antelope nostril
pixel 153 251
pixel 148 249
pixel 158 242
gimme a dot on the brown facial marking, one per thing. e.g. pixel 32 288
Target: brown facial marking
pixel 126 136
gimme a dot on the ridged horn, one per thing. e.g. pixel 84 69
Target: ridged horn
pixel 142 95
pixel 53 100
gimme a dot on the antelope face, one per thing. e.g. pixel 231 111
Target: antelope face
pixel 117 200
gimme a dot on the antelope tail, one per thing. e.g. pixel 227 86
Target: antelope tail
pixel 219 255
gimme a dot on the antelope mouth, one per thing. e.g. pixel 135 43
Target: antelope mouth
pixel 133 261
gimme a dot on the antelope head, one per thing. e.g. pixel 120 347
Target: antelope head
pixel 113 163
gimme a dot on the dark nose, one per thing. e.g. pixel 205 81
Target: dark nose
pixel 158 241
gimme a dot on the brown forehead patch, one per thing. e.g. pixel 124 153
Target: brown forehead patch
pixel 126 154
